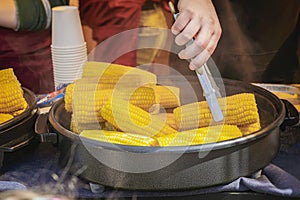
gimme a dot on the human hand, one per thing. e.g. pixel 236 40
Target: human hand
pixel 74 3
pixel 197 19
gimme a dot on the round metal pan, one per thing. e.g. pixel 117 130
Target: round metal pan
pixel 173 168
pixel 31 101
pixel 18 131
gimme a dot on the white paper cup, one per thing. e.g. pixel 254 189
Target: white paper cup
pixel 69 60
pixel 54 51
pixel 66 27
pixel 68 48
pixel 72 69
pixel 67 71
pixel 64 63
pixel 69 55
pixel 65 78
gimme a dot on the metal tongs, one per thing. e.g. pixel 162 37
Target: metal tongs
pixel 210 89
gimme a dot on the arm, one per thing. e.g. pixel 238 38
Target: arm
pixel 27 14
pixel 197 19
pixel 8 17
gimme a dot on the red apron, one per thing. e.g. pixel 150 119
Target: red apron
pixel 108 18
pixel 29 54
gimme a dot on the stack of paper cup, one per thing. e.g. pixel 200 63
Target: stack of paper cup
pixel 69 52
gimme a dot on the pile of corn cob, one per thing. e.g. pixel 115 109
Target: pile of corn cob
pixel 12 101
pixel 124 105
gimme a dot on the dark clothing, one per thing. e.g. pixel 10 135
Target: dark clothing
pixel 27 50
pixel 108 18
pixel 29 54
pixel 36 15
pixel 259 40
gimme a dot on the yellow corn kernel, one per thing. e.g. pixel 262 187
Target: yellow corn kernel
pixel 168 118
pixel 75 125
pixel 18 112
pixel 202 135
pixel 89 103
pixel 119 137
pixel 11 95
pixel 4 117
pixel 68 97
pixel 96 69
pixel 168 96
pixel 8 76
pixel 118 74
pixel 250 128
pixel 85 101
pixel 239 109
pixel 285 95
pixel 143 97
pixel 86 105
pixel 130 118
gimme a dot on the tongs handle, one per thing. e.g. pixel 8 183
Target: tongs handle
pixel 210 89
pixel 210 93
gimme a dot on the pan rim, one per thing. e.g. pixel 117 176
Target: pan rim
pixel 255 136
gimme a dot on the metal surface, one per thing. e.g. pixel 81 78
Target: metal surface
pixel 224 161
pixel 283 91
pixel 19 131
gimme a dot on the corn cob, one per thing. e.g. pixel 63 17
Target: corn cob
pixel 68 97
pixel 143 97
pixel 7 76
pixel 202 135
pixel 250 128
pixel 76 125
pixel 86 105
pixel 239 109
pixel 4 117
pixel 96 69
pixel 114 73
pixel 168 96
pixel 168 118
pixel 89 103
pixel 18 112
pixel 11 96
pixel 130 118
pixel 119 138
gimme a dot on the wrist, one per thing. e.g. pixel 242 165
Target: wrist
pixel 8 14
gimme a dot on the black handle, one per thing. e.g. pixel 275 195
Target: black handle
pixel 13 147
pixel 42 130
pixel 291 115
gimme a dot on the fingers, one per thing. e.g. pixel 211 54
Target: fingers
pixel 198 20
pixel 180 23
pixel 199 44
pixel 203 46
pixel 190 30
pixel 201 49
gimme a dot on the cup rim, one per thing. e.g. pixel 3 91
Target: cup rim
pixel 63 8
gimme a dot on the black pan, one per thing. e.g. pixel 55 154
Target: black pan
pixel 18 131
pixel 31 101
pixel 174 168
